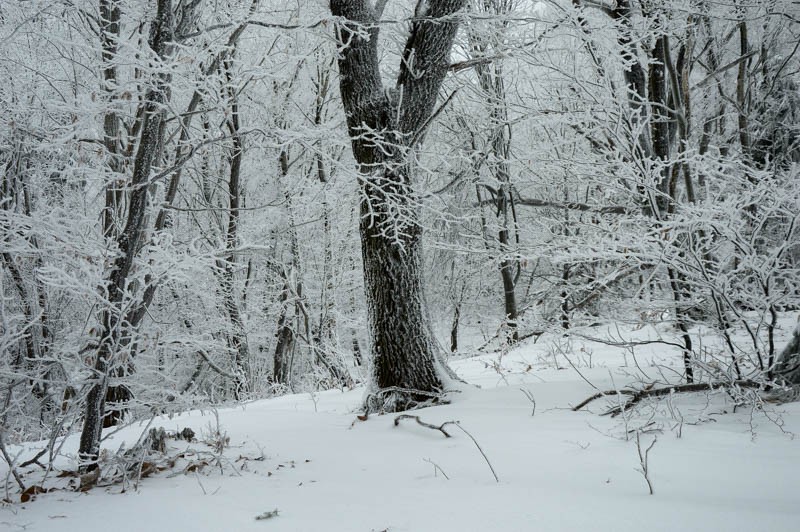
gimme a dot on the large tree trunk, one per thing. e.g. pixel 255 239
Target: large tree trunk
pixel 403 352
pixel 405 370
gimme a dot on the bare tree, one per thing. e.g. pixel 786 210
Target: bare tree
pixel 115 332
pixel 492 83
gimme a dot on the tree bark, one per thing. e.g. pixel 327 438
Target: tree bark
pixel 110 14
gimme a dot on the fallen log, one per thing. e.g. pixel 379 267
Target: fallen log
pixel 637 396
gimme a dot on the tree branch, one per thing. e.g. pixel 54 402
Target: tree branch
pixel 571 205
pixel 440 428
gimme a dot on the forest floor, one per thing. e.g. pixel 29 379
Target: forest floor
pixel 713 467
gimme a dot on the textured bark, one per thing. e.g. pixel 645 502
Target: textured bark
pixel 403 349
pixel 182 152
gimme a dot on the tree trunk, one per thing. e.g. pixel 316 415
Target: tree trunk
pixel 660 122
pixel 237 338
pixel 405 368
pixel 115 331
pixel 454 328
pixel 490 77
pixel 110 14
pixel 281 370
pixel 787 367
pixel 633 73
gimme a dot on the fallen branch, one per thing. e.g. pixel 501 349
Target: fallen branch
pixel 267 515
pixel 639 395
pixel 440 428
pixel 598 395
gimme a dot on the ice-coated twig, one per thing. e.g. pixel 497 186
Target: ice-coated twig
pixel 643 459
pixel 529 395
pixel 436 468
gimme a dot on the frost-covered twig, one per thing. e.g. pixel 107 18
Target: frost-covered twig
pixel 530 397
pixel 436 468
pixel 12 468
pixel 643 459
pixel 440 428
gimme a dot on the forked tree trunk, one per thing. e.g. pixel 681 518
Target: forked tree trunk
pixel 115 337
pixel 405 369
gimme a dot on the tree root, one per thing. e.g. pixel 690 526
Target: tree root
pixel 398 399
pixel 637 396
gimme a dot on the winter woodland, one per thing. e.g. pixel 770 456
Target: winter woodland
pixel 214 203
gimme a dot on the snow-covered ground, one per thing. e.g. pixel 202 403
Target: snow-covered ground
pixel 309 457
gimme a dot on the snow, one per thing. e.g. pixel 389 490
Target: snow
pixel 324 469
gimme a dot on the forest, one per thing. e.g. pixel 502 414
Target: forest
pixel 206 204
